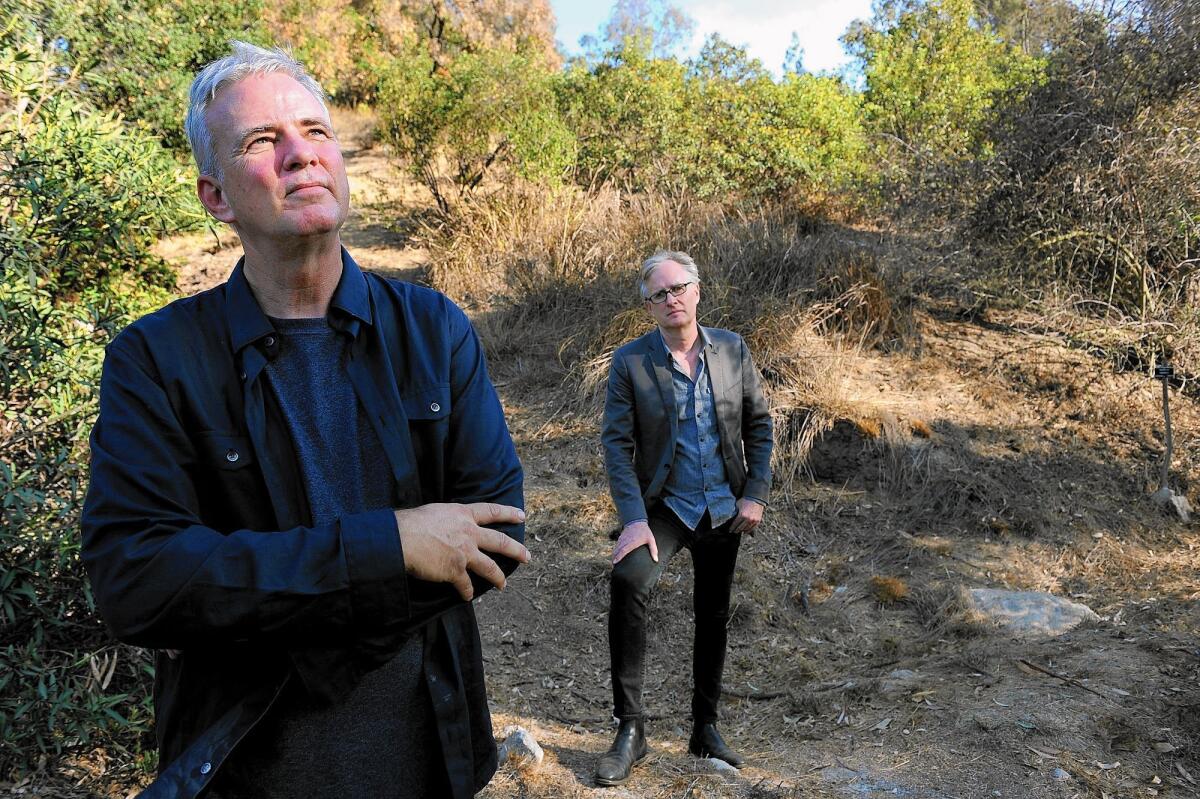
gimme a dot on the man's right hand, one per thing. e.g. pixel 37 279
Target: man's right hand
pixel 445 542
pixel 634 535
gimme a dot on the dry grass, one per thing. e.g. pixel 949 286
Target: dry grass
pixel 889 590
pixel 554 271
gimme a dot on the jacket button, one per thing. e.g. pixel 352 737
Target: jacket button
pixel 207 767
pixel 232 456
pixel 269 341
pixel 433 406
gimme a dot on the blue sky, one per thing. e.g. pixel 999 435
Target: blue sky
pixel 764 26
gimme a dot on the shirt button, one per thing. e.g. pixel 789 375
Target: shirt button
pixel 207 767
pixel 433 406
pixel 269 341
pixel 232 456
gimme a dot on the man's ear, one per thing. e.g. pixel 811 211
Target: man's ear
pixel 212 197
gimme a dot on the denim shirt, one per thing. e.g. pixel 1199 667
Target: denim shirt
pixel 698 481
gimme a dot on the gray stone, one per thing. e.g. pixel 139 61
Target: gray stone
pixel 899 682
pixel 720 765
pixel 1031 614
pixel 521 747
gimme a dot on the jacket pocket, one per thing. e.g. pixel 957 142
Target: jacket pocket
pixel 225 452
pixel 428 404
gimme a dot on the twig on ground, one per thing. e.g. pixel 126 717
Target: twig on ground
pixel 1063 677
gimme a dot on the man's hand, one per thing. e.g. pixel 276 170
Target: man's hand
pixel 444 542
pixel 634 535
pixel 749 516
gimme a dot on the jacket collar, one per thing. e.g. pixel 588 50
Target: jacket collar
pixel 656 339
pixel 349 308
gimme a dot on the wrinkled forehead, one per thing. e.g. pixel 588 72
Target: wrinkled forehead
pixel 262 100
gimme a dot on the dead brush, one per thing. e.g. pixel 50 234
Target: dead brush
pixel 947 611
pixel 556 271
pixel 889 590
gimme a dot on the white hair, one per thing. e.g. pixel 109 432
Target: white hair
pixel 661 257
pixel 244 60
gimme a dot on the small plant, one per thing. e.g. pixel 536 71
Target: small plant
pixel 889 590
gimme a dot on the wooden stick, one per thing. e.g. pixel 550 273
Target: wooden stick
pixel 1064 678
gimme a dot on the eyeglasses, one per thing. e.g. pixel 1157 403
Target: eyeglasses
pixel 659 297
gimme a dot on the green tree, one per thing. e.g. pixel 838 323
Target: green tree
pixel 629 115
pixel 932 75
pixel 487 111
pixel 141 55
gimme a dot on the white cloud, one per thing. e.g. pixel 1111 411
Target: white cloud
pixel 766 27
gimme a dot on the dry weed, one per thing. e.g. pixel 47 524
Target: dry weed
pixel 889 590
pixel 556 270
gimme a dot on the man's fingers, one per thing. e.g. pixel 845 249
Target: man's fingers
pixel 486 568
pixel 494 513
pixel 462 584
pixel 490 540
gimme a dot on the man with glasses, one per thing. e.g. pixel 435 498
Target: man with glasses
pixel 687 447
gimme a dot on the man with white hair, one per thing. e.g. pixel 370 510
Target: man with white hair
pixel 687 447
pixel 300 480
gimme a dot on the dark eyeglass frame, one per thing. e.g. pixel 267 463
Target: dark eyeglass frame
pixel 659 297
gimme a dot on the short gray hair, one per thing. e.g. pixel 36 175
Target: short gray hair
pixel 243 61
pixel 661 257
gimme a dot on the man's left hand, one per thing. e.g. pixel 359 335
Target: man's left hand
pixel 749 516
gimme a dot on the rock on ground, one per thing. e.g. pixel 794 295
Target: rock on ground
pixel 1031 614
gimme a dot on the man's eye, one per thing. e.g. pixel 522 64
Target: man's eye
pixel 260 141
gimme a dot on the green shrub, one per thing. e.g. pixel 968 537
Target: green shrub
pixel 141 55
pixel 716 126
pixel 932 75
pixel 84 198
pixel 487 112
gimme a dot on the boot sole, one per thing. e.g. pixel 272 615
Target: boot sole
pixel 606 783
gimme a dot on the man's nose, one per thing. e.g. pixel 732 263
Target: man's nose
pixel 299 152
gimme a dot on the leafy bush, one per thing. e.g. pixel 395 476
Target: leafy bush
pixel 932 75
pixel 84 197
pixel 715 126
pixel 1095 175
pixel 487 111
pixel 140 55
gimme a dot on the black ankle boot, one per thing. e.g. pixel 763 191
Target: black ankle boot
pixel 707 742
pixel 628 748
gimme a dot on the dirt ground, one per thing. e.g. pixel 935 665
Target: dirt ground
pixel 1029 468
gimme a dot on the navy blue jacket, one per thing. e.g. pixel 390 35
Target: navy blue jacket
pixel 197 534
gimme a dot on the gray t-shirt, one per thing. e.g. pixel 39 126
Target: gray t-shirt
pixel 381 742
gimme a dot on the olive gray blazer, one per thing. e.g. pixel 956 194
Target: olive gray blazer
pixel 640 423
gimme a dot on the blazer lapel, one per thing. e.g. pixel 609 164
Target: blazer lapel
pixel 718 369
pixel 657 354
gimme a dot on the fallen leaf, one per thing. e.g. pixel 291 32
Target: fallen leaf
pixel 1184 773
pixel 882 725
pixel 1164 747
pixel 1108 766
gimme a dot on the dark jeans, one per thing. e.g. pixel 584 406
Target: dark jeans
pixel 714 555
